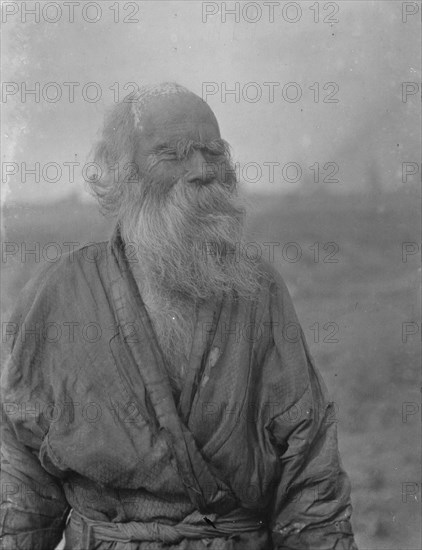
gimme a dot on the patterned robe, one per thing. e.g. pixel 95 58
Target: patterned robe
pixel 245 458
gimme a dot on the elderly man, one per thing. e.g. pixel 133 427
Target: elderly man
pixel 184 415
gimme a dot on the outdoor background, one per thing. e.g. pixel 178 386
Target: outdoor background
pixel 349 250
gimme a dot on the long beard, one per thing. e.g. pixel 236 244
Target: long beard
pixel 188 250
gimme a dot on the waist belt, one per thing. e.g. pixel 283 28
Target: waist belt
pixel 195 526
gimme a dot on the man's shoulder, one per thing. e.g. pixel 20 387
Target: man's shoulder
pixel 85 258
pixel 271 277
pixel 79 266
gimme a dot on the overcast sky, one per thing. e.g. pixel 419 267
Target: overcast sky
pixel 366 49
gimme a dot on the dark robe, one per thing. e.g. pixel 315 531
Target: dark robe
pixel 245 458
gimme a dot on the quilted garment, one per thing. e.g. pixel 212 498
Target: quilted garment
pixel 91 423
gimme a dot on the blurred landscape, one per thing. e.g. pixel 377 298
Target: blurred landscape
pixel 352 312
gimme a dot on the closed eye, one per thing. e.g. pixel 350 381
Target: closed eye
pixel 214 154
pixel 165 153
pixel 168 155
pixel 214 157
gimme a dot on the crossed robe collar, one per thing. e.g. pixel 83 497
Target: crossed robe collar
pixel 207 491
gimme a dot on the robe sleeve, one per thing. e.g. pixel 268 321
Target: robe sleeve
pixel 33 506
pixel 311 508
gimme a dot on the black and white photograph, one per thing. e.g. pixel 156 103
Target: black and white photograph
pixel 210 275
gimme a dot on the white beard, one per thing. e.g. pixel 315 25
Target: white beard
pixel 176 273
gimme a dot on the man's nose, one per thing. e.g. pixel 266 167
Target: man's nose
pixel 198 169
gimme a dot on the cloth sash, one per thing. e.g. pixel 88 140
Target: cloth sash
pixel 206 490
pixel 195 526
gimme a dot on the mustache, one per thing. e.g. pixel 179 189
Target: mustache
pixel 204 205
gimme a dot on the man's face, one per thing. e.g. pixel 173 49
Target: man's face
pixel 179 143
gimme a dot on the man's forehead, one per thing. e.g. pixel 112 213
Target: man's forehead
pixel 176 116
pixel 171 133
